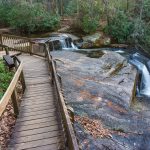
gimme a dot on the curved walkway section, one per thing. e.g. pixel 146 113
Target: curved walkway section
pixel 38 126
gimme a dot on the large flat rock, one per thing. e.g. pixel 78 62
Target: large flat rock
pixel 102 89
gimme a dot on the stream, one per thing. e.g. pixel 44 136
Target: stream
pixel 134 57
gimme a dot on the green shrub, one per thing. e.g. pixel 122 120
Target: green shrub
pixel 120 27
pixel 26 17
pixel 32 18
pixel 87 14
pixel 144 38
pixel 89 24
pixel 5 8
pixel 71 8
pixel 146 10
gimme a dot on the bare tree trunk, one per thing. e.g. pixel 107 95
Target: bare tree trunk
pixel 127 5
pixel 61 7
pixel 141 9
pixel 106 4
pixel 57 6
pixel 77 6
pixel 49 5
pixel 31 2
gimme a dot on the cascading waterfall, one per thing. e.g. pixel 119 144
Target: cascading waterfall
pixel 68 44
pixel 65 43
pixel 144 87
pixel 145 84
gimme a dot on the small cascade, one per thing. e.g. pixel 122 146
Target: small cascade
pixel 61 42
pixel 73 46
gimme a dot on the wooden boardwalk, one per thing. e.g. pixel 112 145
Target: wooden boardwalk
pixel 38 126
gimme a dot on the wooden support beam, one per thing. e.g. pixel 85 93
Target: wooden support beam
pixel 14 99
pixel 23 81
pixel 15 62
pixel 31 48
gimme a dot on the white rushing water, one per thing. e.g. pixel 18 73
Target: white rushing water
pixel 144 88
pixel 119 51
pixel 73 46
pixel 68 45
pixel 145 84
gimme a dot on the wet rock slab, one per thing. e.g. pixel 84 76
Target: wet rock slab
pixel 102 89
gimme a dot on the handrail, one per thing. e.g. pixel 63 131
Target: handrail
pixel 71 138
pixel 22 44
pixel 70 134
pixel 15 36
pixel 11 91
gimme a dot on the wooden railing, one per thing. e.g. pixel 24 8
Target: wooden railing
pixel 11 92
pixel 22 44
pixel 71 140
pixel 18 43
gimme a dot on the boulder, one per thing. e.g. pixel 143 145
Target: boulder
pixel 110 71
pixel 95 40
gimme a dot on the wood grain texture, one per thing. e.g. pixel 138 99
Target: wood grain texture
pixel 38 125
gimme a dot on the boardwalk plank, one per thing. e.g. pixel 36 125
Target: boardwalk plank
pixel 37 94
pixel 37 109
pixel 36 137
pixel 42 142
pixel 34 113
pixel 28 118
pixel 35 103
pixel 26 123
pixel 59 146
pixel 48 95
pixel 35 131
pixel 35 126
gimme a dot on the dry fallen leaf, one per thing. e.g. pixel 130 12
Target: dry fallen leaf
pixel 7 122
pixel 94 127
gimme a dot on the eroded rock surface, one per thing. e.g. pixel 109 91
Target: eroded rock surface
pixel 101 89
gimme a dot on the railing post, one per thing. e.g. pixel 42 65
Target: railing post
pixel 15 102
pixel 71 113
pixel 45 51
pixel 1 39
pixel 22 81
pixel 15 62
pixel 7 50
pixel 31 48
